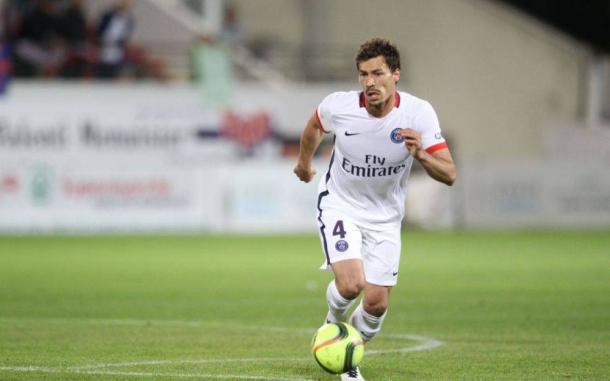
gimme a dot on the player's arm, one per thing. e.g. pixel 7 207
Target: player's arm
pixel 310 140
pixel 439 164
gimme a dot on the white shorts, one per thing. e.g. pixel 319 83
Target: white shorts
pixel 379 250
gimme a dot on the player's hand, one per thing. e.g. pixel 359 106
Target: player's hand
pixel 304 172
pixel 412 141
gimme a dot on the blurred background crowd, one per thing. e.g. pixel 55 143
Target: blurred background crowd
pixel 128 90
pixel 58 38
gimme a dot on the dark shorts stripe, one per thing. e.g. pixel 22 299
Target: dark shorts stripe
pixel 322 226
pixel 320 197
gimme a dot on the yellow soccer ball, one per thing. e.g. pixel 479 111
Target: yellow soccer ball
pixel 337 347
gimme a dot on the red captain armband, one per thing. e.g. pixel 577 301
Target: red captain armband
pixel 436 147
pixel 320 122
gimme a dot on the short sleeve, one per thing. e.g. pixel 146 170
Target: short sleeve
pixel 426 123
pixel 324 114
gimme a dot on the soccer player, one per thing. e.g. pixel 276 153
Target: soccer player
pixel 378 132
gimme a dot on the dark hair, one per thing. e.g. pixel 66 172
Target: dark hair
pixel 379 47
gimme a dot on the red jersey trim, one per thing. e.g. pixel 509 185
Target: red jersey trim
pixel 436 147
pixel 362 100
pixel 320 122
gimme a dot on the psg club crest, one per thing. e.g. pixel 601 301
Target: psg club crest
pixel 341 245
pixel 396 136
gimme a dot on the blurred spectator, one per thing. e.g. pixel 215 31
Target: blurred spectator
pixel 114 31
pixel 73 27
pixel 212 70
pixel 12 12
pixel 40 48
pixel 5 65
pixel 231 32
pixel 51 38
pixel 73 23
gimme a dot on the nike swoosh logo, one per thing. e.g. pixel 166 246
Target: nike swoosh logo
pixel 394 274
pixel 348 134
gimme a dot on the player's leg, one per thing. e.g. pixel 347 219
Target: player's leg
pixel 342 243
pixel 381 257
pixel 344 289
pixel 349 277
pixel 380 260
pixel 368 317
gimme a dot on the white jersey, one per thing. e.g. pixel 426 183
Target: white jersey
pixel 368 170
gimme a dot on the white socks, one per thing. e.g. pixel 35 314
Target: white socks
pixel 367 324
pixel 337 304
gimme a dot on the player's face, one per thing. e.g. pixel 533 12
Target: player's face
pixel 377 80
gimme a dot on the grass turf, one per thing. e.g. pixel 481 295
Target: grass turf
pixel 508 306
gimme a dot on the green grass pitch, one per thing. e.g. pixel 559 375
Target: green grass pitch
pixel 468 306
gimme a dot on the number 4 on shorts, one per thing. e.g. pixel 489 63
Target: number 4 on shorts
pixel 338 229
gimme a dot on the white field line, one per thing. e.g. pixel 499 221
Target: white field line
pixel 148 374
pixel 423 343
pixel 184 361
pixel 29 369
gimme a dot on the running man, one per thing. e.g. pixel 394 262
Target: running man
pixel 378 132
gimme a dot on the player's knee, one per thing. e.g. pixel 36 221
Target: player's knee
pixel 375 307
pixel 350 289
